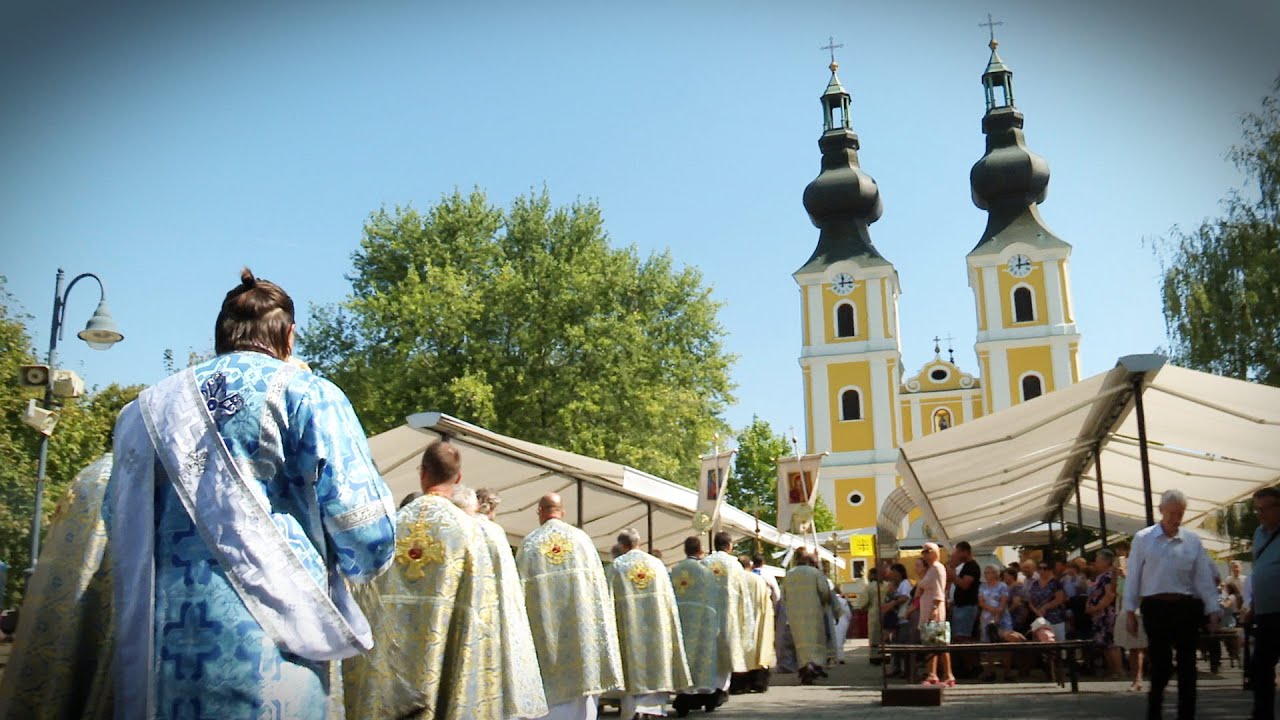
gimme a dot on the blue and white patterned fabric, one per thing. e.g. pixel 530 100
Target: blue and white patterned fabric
pixel 295 440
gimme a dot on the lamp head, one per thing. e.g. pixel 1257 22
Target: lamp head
pixel 100 333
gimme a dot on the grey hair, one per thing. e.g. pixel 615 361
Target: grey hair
pixel 629 538
pixel 1107 553
pixel 465 498
pixel 616 551
pixel 488 501
pixel 1173 497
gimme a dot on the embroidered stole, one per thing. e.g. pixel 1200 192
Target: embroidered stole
pixel 170 426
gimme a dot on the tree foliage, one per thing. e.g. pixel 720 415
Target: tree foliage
pixel 82 435
pixel 1221 282
pixel 526 321
pixel 755 477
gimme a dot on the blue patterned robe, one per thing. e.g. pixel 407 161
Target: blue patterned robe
pixel 296 436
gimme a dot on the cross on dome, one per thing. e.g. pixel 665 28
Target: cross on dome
pixel 991 26
pixel 831 47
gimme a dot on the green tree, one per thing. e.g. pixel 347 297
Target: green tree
pixel 1221 282
pixel 82 435
pixel 526 321
pixel 754 487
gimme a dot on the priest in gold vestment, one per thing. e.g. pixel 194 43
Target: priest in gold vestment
pixel 731 607
pixel 695 588
pixel 520 673
pixel 649 635
pixel 437 651
pixel 570 613
pixel 806 593
pixel 760 625
pixel 60 663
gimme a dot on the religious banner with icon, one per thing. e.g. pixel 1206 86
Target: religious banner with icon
pixel 713 480
pixel 797 490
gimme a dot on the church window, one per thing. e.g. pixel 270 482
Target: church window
pixel 941 420
pixel 856 498
pixel 845 324
pixel 938 374
pixel 1032 386
pixel 850 405
pixel 1023 308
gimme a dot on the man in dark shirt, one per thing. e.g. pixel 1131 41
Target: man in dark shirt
pixel 966 575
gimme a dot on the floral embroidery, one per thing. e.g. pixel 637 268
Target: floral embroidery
pixel 717 568
pixel 556 547
pixel 682 581
pixel 216 399
pixel 640 576
pixel 418 548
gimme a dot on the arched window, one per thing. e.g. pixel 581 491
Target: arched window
pixel 850 405
pixel 1024 310
pixel 941 419
pixel 845 325
pixel 1032 386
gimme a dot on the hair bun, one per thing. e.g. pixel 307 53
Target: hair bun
pixel 246 277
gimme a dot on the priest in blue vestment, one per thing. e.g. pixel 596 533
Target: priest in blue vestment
pixel 242 500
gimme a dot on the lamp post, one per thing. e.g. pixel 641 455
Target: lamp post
pixel 100 333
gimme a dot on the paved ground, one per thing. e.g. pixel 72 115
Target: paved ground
pixel 853 690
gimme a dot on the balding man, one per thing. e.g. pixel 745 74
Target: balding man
pixel 1171 575
pixel 434 614
pixel 649 636
pixel 570 613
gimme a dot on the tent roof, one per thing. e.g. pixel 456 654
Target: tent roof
pixel 1211 437
pixel 614 497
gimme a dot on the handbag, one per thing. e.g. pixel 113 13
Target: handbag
pixel 936 632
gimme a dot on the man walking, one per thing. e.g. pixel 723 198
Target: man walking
pixel 1170 573
pixel 1265 612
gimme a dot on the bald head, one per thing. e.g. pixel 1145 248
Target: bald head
pixel 550 507
pixel 441 465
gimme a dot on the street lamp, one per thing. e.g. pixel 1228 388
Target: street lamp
pixel 100 333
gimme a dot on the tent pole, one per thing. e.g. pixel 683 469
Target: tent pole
pixel 579 504
pixel 649 521
pixel 1079 516
pixel 1062 523
pixel 1102 505
pixel 1142 448
pixel 1050 524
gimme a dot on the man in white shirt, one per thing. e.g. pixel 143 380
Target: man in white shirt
pixel 1170 573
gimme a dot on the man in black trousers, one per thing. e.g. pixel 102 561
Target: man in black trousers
pixel 1170 573
pixel 1265 607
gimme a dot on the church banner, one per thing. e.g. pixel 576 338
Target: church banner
pixel 713 481
pixel 797 490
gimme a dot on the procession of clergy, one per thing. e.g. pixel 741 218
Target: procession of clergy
pixel 239 555
pixel 462 628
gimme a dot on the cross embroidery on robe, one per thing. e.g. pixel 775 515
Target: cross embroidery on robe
pixel 417 548
pixel 556 547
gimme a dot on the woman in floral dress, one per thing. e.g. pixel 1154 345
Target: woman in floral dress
pixel 1101 606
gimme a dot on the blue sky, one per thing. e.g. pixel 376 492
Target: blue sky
pixel 164 145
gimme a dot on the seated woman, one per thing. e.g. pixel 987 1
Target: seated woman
pixel 995 623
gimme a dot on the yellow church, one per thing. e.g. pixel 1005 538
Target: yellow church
pixel 861 404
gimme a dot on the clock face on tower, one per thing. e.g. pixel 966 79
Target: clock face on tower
pixel 842 284
pixel 1019 266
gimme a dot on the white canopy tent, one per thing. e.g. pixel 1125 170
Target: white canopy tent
pixel 601 497
pixel 1106 447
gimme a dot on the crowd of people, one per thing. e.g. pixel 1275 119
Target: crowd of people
pixel 1157 600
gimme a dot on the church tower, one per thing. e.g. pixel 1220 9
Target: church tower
pixel 1027 342
pixel 849 308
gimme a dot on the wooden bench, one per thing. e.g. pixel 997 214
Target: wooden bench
pixel 1060 652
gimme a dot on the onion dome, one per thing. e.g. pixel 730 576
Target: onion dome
pixel 1010 180
pixel 843 200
